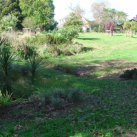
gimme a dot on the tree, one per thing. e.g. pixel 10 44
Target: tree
pixel 97 9
pixel 9 21
pixel 73 21
pixel 78 11
pixel 129 27
pixel 11 6
pixel 109 27
pixel 28 22
pixel 42 11
pixel 115 16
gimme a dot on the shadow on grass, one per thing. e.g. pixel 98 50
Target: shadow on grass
pixel 109 110
pixel 87 49
pixel 89 38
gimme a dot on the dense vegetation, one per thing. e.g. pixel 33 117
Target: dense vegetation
pixel 38 94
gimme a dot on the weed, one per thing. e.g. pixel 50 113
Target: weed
pixel 5 101
pixel 74 94
pixel 57 103
pixel 58 93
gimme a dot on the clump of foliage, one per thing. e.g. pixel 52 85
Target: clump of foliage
pixel 67 49
pixel 58 92
pixel 57 103
pixel 28 22
pixel 74 94
pixel 8 21
pixel 6 59
pixel 109 27
pixel 22 88
pixel 129 74
pixel 129 27
pixel 5 101
pixel 95 29
pixel 33 66
pixel 33 98
pixel 25 51
pixel 38 39
pixel 69 34
pixel 45 98
pixel 74 21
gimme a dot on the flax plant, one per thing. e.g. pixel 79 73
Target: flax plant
pixel 6 58
pixel 34 66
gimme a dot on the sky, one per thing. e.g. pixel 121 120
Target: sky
pixel 61 7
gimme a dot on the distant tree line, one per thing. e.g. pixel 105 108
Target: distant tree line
pixel 39 13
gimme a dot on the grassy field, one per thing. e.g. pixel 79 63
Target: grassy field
pixel 108 108
pixel 107 55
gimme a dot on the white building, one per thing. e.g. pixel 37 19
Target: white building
pixel 85 28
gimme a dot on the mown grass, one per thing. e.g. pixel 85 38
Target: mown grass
pixel 117 52
pixel 108 109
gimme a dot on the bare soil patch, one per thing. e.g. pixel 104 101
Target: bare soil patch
pixel 112 69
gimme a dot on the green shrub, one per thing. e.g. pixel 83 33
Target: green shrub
pixel 69 34
pixel 6 59
pixel 23 88
pixel 33 98
pixel 8 21
pixel 65 49
pixel 74 94
pixel 20 33
pixel 58 93
pixel 95 29
pixel 45 98
pixel 37 39
pixel 55 38
pixel 129 74
pixel 5 101
pixel 33 66
pixel 57 103
pixel 25 51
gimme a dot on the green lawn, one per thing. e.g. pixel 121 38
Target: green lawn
pixel 108 108
pixel 117 52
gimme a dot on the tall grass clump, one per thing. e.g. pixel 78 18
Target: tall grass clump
pixel 33 66
pixel 6 59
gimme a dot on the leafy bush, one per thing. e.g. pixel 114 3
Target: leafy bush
pixel 69 34
pixel 95 29
pixel 6 58
pixel 5 101
pixel 55 39
pixel 38 39
pixel 58 93
pixel 22 88
pixel 9 21
pixel 109 25
pixel 129 74
pixel 25 51
pixel 57 103
pixel 33 66
pixel 45 98
pixel 33 98
pixel 28 22
pixel 74 94
pixel 65 49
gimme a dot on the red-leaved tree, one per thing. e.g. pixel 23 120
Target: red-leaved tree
pixel 109 25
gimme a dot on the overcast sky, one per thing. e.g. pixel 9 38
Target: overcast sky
pixel 61 7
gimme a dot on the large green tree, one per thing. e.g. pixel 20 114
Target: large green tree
pixel 115 16
pixel 42 11
pixel 73 21
pixel 11 6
